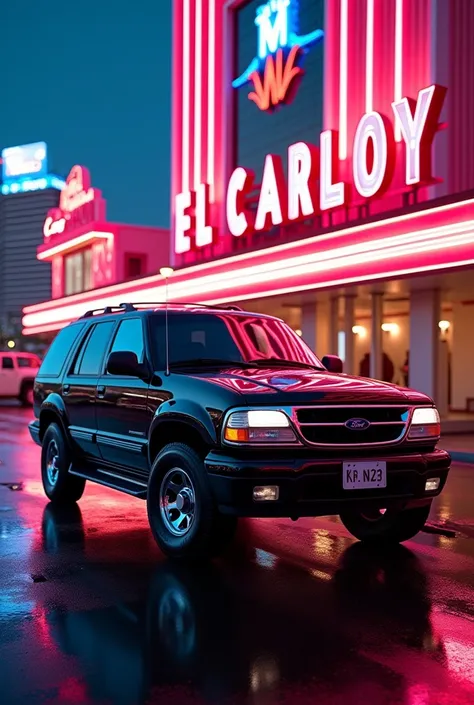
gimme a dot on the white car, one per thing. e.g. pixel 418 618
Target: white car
pixel 17 376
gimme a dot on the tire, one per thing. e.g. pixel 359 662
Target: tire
pixel 26 394
pixel 394 526
pixel 178 476
pixel 59 486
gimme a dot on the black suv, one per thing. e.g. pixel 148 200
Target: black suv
pixel 213 413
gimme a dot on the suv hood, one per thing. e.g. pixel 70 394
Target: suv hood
pixel 293 385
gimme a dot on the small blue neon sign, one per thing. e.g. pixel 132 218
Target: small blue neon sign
pixel 277 23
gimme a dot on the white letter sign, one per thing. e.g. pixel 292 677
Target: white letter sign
pixel 369 179
pixel 271 194
pixel 418 131
pixel 302 175
pixel 182 222
pixel 331 195
pixel 239 184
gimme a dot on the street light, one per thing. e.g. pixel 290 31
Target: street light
pixel 166 272
pixel 11 344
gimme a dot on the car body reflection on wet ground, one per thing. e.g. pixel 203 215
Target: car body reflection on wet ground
pixel 297 613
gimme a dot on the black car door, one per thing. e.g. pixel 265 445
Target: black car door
pixel 123 417
pixel 80 385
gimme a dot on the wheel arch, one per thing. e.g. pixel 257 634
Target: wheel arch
pixel 179 428
pixel 53 411
pixel 26 382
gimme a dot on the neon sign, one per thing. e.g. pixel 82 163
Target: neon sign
pixel 277 66
pixel 313 184
pixel 28 160
pixel 79 204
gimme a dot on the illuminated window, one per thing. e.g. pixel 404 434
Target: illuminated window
pixel 78 272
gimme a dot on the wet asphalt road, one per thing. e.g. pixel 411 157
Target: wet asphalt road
pixel 295 613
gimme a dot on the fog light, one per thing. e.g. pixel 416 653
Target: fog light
pixel 267 493
pixel 432 484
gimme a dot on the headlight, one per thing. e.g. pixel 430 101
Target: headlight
pixel 425 423
pixel 259 426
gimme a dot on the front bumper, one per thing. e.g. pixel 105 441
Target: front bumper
pixel 34 429
pixel 313 487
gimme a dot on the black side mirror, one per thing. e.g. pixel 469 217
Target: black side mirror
pixel 124 363
pixel 332 363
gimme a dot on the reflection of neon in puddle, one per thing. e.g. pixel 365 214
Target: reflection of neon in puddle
pixel 264 673
pixel 321 575
pixel 460 659
pixel 265 559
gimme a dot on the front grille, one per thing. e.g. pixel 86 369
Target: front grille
pixel 325 425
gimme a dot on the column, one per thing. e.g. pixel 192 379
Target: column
pixel 425 310
pixel 349 301
pixel 308 324
pixel 462 377
pixel 333 325
pixel 376 340
pixel 314 327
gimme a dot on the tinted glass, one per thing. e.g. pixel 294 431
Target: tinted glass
pixel 97 342
pixel 59 350
pixel 129 338
pixel 7 363
pixel 234 338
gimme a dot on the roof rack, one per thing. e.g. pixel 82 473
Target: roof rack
pixel 127 307
pixel 108 309
pixel 132 306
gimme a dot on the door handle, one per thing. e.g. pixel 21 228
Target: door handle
pixel 66 388
pixel 101 391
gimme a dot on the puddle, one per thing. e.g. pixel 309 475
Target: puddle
pixel 14 486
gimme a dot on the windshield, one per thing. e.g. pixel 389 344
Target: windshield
pixel 228 339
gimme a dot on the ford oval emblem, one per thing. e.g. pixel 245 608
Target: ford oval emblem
pixel 357 424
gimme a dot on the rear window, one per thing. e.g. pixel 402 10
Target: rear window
pixel 59 350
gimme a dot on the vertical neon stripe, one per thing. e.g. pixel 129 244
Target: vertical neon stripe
pixel 343 41
pixel 398 77
pixel 186 88
pixel 211 106
pixel 197 93
pixel 369 58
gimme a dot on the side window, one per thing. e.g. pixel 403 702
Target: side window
pixel 130 338
pixel 90 363
pixel 7 363
pixel 27 362
pixel 58 351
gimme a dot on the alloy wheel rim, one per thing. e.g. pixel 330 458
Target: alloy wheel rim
pixel 177 502
pixel 52 462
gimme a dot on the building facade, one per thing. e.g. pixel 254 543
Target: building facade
pixel 87 253
pixel 28 191
pixel 323 170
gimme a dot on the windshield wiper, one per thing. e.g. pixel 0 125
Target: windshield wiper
pixel 279 362
pixel 209 362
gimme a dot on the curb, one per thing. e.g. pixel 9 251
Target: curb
pixel 461 456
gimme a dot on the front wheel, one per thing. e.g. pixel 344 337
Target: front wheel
pixel 59 486
pixel 390 526
pixel 183 516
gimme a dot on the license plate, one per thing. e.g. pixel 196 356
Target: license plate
pixel 363 476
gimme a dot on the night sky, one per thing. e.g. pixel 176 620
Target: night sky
pixel 92 79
